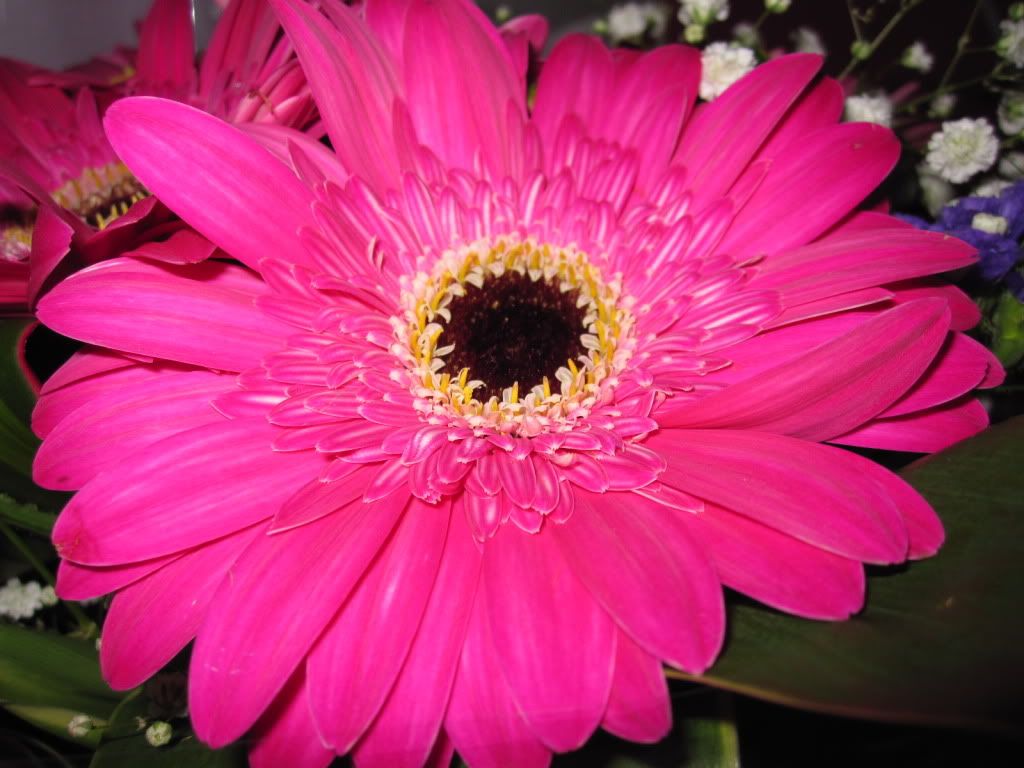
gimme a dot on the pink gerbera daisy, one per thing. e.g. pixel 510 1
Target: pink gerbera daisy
pixel 62 187
pixel 464 447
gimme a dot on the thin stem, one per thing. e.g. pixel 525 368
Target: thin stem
pixel 85 624
pixel 897 17
pixel 961 46
pixel 854 20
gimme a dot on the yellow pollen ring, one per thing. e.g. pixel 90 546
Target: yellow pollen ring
pixel 100 194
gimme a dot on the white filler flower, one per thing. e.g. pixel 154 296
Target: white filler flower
pixel 869 108
pixel 962 148
pixel 703 12
pixel 806 40
pixel 722 64
pixel 1011 42
pixel 918 58
pixel 21 601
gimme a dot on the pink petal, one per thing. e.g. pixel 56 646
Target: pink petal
pixel 817 108
pixel 203 314
pixel 238 195
pixel 166 48
pixel 247 649
pixel 193 487
pixel 483 720
pixel 638 707
pixel 349 74
pixel 285 735
pixel 777 569
pixel 723 137
pixel 183 247
pixel 402 734
pixel 557 644
pixel 835 387
pixel 151 620
pixel 660 590
pixel 356 660
pixel 51 242
pixel 826 497
pixel 82 582
pixel 459 117
pixel 925 431
pixel 842 164
pixel 125 422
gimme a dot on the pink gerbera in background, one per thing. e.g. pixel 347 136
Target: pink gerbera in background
pixel 495 399
pixel 63 190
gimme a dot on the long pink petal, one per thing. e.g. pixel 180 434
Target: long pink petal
pixel 238 195
pixel 285 735
pixel 82 582
pixel 151 620
pixel 483 721
pixel 407 725
pixel 824 496
pixel 777 569
pixel 638 707
pixel 247 649
pixel 459 117
pixel 124 423
pixel 356 660
pixel 350 74
pixel 925 431
pixel 192 487
pixel 835 387
pixel 203 314
pixel 557 644
pixel 816 108
pixel 660 590
pixel 842 163
pixel 722 138
pixel 51 242
pixel 166 48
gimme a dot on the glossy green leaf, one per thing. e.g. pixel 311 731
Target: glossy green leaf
pixel 124 744
pixel 44 675
pixel 941 641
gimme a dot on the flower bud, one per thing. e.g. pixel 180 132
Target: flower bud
pixel 694 33
pixel 861 49
pixel 80 725
pixel 159 733
pixel 776 6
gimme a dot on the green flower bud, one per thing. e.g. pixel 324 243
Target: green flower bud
pixel 694 33
pixel 861 49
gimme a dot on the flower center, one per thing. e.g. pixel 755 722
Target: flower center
pixel 15 234
pixel 515 335
pixel 101 194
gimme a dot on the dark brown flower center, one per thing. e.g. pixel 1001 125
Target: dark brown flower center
pixel 512 330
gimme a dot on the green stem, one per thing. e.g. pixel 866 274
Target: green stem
pixel 85 624
pixel 961 46
pixel 897 17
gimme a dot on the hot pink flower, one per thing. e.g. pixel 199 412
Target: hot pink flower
pixel 465 447
pixel 81 199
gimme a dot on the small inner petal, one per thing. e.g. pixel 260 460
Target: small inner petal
pixel 15 233
pixel 101 194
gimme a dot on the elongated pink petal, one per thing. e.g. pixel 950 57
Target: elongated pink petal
pixel 51 242
pixel 248 648
pixel 483 721
pixel 356 660
pixel 151 620
pixel 128 421
pixel 816 108
pixel 821 495
pixel 87 375
pixel 407 725
pixel 166 48
pixel 183 247
pixel 202 314
pixel 238 196
pixel 661 591
pixel 285 734
pixel 83 582
pixel 777 569
pixel 638 707
pixel 459 117
pixel 720 141
pixel 349 74
pixel 172 496
pixel 925 431
pixel 833 388
pixel 557 644
pixel 842 163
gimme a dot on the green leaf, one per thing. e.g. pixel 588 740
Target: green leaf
pixel 709 738
pixel 26 516
pixel 44 675
pixel 941 642
pixel 124 744
pixel 18 392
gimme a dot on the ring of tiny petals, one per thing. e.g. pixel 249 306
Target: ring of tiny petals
pixel 100 194
pixel 579 386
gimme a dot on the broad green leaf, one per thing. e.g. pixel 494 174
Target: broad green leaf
pixel 941 641
pixel 26 516
pixel 124 744
pixel 18 393
pixel 54 720
pixel 44 669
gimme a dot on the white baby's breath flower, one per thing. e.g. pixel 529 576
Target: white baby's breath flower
pixel 722 64
pixel 626 22
pixel 159 733
pixel 1011 166
pixel 703 12
pixel 935 191
pixel 869 108
pixel 746 34
pixel 1011 42
pixel 988 222
pixel 918 58
pixel 942 105
pixel 991 187
pixel 806 40
pixel 1011 113
pixel 21 601
pixel 80 725
pixel 776 6
pixel 962 148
